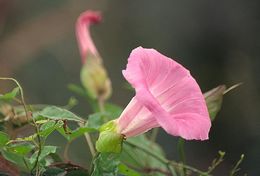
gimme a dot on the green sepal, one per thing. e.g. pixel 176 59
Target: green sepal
pixel 214 98
pixel 109 140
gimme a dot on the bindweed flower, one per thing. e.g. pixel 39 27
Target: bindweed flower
pixel 93 74
pixel 167 96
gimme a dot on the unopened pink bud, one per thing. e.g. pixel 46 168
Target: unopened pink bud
pixel 93 74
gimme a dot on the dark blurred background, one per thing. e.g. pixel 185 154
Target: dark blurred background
pixel 218 41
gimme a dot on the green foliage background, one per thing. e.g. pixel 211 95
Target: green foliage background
pixel 218 41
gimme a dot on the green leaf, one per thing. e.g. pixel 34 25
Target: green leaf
pixel 4 138
pixel 48 127
pixel 45 151
pixel 64 133
pixel 78 90
pixel 73 134
pixel 56 113
pixel 10 95
pixel 214 100
pixel 17 159
pixel 105 164
pixel 71 103
pixel 124 170
pixel 55 157
pixel 80 131
pixel 137 158
pixel 97 119
pixel 83 93
pixel 20 148
pixel 114 111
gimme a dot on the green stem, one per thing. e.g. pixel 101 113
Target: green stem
pixel 181 150
pixel 28 119
pixel 66 151
pixel 101 104
pixel 180 165
pixel 154 134
pixel 26 164
pixel 90 143
pixel 235 169
pixel 21 90
pixel 216 162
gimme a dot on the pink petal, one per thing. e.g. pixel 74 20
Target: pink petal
pixel 135 119
pixel 166 95
pixel 86 45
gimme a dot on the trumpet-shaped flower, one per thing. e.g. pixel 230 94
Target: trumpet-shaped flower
pixel 167 96
pixel 93 74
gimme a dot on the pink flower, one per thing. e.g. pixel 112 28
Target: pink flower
pixel 86 45
pixel 167 96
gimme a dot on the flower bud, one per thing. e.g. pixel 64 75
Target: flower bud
pixel 93 74
pixel 94 79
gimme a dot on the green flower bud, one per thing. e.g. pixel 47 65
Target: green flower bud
pixel 95 79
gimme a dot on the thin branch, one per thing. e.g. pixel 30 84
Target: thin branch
pixel 101 104
pixel 66 151
pixel 236 169
pixel 89 141
pixel 26 114
pixel 180 165
pixel 216 162
pixel 21 91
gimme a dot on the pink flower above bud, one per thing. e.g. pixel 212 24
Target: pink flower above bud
pixel 167 96
pixel 86 45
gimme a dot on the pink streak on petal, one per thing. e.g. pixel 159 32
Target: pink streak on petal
pixel 84 21
pixel 168 96
pixel 135 119
pixel 129 113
